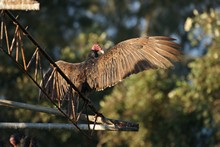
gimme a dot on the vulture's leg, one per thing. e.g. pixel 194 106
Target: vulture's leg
pixel 75 105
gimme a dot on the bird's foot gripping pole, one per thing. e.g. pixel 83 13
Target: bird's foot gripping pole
pixel 14 47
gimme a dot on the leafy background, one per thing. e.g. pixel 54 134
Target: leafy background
pixel 176 107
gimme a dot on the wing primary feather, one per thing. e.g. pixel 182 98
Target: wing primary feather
pixel 170 49
pixel 124 65
pixel 107 74
pixel 168 43
pixel 168 54
pixel 114 71
pixel 162 38
pixel 119 72
pixel 146 58
pixel 127 67
pixel 162 61
pixel 142 62
pixel 151 58
pixel 135 62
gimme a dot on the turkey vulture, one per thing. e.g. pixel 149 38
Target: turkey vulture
pixel 101 71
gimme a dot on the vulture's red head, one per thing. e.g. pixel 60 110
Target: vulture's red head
pixel 97 48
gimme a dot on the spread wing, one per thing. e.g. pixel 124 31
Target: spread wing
pixel 56 86
pixel 130 57
pixel 59 90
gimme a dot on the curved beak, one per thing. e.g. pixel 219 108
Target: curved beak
pixel 101 51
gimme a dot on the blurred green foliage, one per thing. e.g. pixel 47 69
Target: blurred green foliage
pixel 176 107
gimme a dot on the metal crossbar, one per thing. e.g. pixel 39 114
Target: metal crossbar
pixel 102 122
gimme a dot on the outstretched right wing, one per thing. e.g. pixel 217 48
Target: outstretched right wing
pixel 130 57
